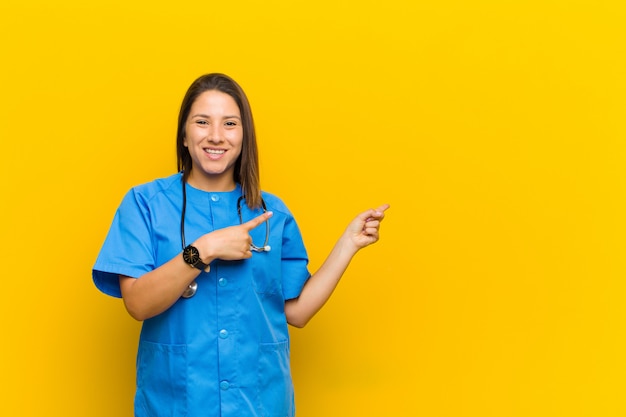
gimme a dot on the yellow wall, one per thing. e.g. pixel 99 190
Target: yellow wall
pixel 496 130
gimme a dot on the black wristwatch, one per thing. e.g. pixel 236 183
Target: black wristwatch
pixel 192 257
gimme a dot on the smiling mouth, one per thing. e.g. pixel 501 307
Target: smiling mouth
pixel 215 151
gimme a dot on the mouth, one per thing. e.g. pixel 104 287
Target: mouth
pixel 214 154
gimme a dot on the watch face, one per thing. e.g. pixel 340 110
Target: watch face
pixel 191 255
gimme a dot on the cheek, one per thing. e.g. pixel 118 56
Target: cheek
pixel 188 135
pixel 237 139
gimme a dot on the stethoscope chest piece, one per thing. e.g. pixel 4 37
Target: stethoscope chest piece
pixel 190 290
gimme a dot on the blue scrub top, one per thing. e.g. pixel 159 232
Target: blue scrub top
pixel 224 351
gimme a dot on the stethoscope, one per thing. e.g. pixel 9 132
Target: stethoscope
pixel 193 287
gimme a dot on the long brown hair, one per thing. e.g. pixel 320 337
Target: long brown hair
pixel 247 165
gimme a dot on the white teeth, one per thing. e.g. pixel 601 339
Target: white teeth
pixel 215 151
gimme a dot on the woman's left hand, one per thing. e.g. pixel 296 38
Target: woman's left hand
pixel 364 229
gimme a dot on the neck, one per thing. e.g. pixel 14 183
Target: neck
pixel 220 183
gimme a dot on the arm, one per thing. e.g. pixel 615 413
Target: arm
pixel 157 290
pixel 361 232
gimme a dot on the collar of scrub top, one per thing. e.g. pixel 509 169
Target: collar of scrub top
pixel 193 287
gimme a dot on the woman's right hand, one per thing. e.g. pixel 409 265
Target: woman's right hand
pixel 230 243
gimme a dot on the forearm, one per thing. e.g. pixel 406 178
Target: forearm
pixel 157 290
pixel 361 232
pixel 321 285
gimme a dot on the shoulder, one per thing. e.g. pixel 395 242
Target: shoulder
pixel 275 203
pixel 152 189
pixel 151 194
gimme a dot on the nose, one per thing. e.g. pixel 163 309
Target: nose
pixel 214 134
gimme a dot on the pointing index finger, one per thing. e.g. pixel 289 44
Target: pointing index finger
pixel 378 213
pixel 382 208
pixel 251 224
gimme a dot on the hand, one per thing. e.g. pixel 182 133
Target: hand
pixel 364 229
pixel 230 243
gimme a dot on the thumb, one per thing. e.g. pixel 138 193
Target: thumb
pixel 378 213
pixel 249 225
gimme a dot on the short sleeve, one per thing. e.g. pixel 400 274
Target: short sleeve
pixel 128 248
pixel 294 262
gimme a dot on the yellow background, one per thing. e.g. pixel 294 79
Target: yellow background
pixel 495 129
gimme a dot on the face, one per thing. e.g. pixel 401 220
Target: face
pixel 214 137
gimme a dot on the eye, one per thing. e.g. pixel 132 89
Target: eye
pixel 231 123
pixel 202 122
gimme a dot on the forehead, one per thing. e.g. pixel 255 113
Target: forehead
pixel 214 102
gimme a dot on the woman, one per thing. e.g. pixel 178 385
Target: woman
pixel 216 269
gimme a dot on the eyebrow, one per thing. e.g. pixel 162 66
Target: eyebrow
pixel 208 117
